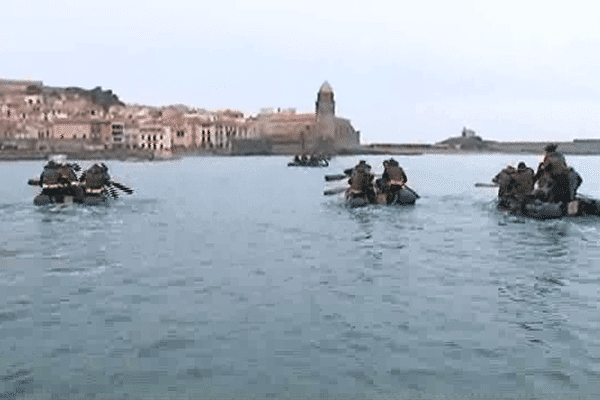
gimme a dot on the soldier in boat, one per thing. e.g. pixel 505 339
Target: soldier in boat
pixel 392 181
pixel 503 179
pixel 95 181
pixel 362 164
pixel 361 183
pixel 555 181
pixel 522 181
pixel 515 186
pixel 58 181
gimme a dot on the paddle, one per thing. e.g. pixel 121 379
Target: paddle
pixel 479 184
pixel 113 193
pixel 337 177
pixel 410 190
pixel 121 187
pixel 341 189
pixel 34 182
pixel 338 190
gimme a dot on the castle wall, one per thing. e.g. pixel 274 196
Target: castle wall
pixel 251 146
pixel 346 137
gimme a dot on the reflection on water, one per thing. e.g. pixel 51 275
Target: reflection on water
pixel 184 290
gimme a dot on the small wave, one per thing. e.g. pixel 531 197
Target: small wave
pixel 76 271
pixel 170 344
pixel 10 315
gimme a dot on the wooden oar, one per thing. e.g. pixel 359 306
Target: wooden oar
pixel 113 193
pixel 479 184
pixel 330 192
pixel 341 189
pixel 122 187
pixel 337 177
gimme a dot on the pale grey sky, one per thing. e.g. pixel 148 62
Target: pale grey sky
pixel 402 71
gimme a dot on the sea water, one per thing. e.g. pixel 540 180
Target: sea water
pixel 237 277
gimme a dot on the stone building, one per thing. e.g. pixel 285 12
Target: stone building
pixel 287 132
pixel 155 137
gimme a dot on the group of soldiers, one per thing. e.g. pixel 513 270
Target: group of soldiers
pixel 554 181
pixel 312 160
pixel 361 179
pixel 59 180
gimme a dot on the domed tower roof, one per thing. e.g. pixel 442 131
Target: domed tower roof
pixel 326 88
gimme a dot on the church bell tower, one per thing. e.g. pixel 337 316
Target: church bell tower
pixel 325 110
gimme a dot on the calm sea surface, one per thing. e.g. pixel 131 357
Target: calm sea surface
pixel 237 277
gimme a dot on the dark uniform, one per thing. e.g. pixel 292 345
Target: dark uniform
pixel 95 179
pixel 521 183
pixel 503 179
pixel 361 181
pixel 392 180
pixel 361 164
pixel 552 177
pixel 59 180
pixel 393 175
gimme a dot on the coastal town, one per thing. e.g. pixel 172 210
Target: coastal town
pixel 37 121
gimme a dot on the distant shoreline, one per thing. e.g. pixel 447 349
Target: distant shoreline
pixel 581 147
pixel 475 145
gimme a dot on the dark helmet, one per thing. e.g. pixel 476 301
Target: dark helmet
pixel 393 162
pixel 521 166
pixel 551 148
pixel 51 165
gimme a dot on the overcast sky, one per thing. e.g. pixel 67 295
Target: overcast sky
pixel 402 71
